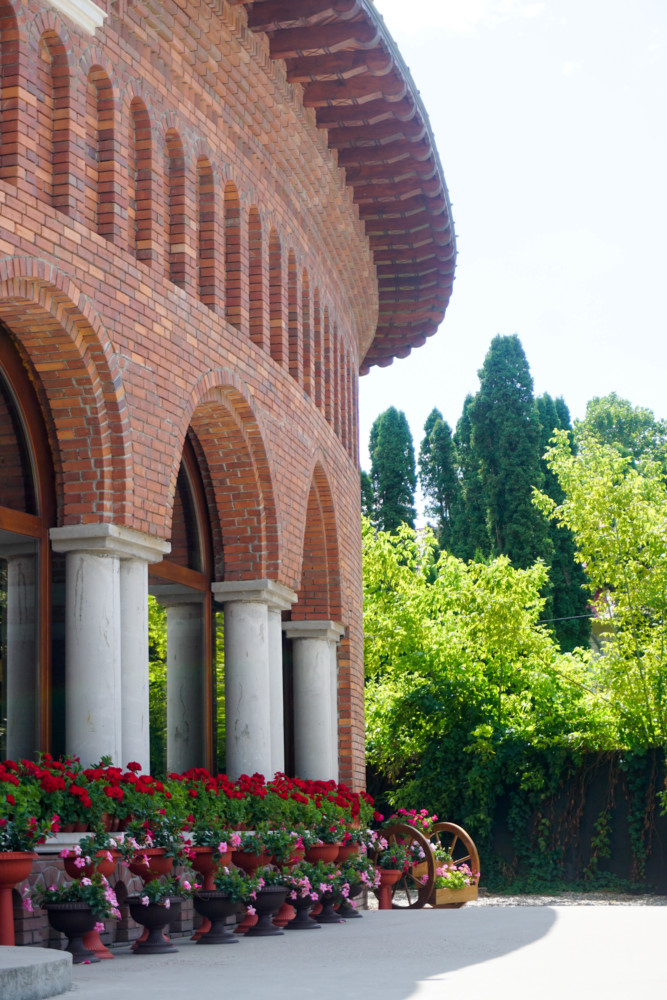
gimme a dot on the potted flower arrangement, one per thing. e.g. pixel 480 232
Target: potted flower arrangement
pixel 302 896
pixel 360 873
pixel 21 828
pixel 152 909
pixel 269 897
pixel 454 885
pixel 75 908
pixel 240 888
pixel 392 859
pixel 248 850
pixel 331 887
pixel 95 852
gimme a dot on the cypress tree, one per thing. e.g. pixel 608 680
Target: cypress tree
pixel 568 603
pixel 471 536
pixel 506 440
pixel 393 475
pixel 439 479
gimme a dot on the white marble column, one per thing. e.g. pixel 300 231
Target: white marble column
pixel 315 679
pixel 100 661
pixel 253 674
pixel 21 668
pixel 186 674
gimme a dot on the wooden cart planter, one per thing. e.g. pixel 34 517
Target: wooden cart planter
pixel 416 888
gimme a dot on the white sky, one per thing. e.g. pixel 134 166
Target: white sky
pixel 550 120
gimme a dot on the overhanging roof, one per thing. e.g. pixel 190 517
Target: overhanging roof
pixel 354 77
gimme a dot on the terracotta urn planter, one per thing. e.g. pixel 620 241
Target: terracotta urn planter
pixel 250 862
pixel 74 920
pixel 150 863
pixel 14 867
pixel 346 851
pixel 388 878
pixel 100 863
pixel 322 852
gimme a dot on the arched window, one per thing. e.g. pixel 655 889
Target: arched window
pixel 26 513
pixel 257 288
pixel 175 208
pixel 206 242
pixel 307 335
pixel 52 121
pixel 181 681
pixel 140 206
pixel 232 255
pixel 9 81
pixel 100 201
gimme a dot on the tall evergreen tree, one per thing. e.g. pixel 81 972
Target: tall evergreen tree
pixel 471 538
pixel 439 480
pixel 506 440
pixel 367 499
pixel 393 474
pixel 568 602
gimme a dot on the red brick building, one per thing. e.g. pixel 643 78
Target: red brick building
pixel 213 217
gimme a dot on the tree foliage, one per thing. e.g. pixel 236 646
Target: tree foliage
pixel 439 480
pixel 567 597
pixel 506 440
pixel 618 515
pixel 631 430
pixel 393 477
pixel 461 678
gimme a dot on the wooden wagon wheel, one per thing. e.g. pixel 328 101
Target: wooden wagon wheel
pixel 411 891
pixel 458 844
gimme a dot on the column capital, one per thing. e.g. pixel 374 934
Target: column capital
pixel 109 539
pixel 276 596
pixel 307 629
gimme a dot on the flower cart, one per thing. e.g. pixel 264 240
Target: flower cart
pixel 445 869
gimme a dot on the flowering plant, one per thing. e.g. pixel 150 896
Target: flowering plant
pixel 454 877
pixel 421 820
pixel 282 845
pixel 272 876
pixel 359 869
pixel 162 890
pixel 250 842
pixel 236 884
pixel 22 825
pixel 392 856
pixel 95 891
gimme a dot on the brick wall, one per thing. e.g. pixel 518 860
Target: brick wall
pixel 178 248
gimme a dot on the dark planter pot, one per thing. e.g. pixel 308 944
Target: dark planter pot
pixel 216 907
pixel 268 902
pixel 302 921
pixel 345 910
pixel 73 920
pixel 328 915
pixel 154 918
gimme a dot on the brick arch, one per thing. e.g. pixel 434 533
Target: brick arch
pixel 320 591
pixel 231 441
pixel 66 344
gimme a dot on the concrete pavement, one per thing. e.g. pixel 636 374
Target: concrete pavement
pixel 521 953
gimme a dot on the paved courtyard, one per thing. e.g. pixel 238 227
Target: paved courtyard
pixel 517 952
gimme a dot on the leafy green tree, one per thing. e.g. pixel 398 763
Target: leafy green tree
pixel 471 537
pixel 632 430
pixel 463 686
pixel 506 440
pixel 618 515
pixel 367 500
pixel 567 599
pixel 439 480
pixel 393 474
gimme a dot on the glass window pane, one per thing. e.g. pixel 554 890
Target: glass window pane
pixel 17 486
pixel 19 645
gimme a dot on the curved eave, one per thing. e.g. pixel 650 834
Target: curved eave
pixel 363 95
